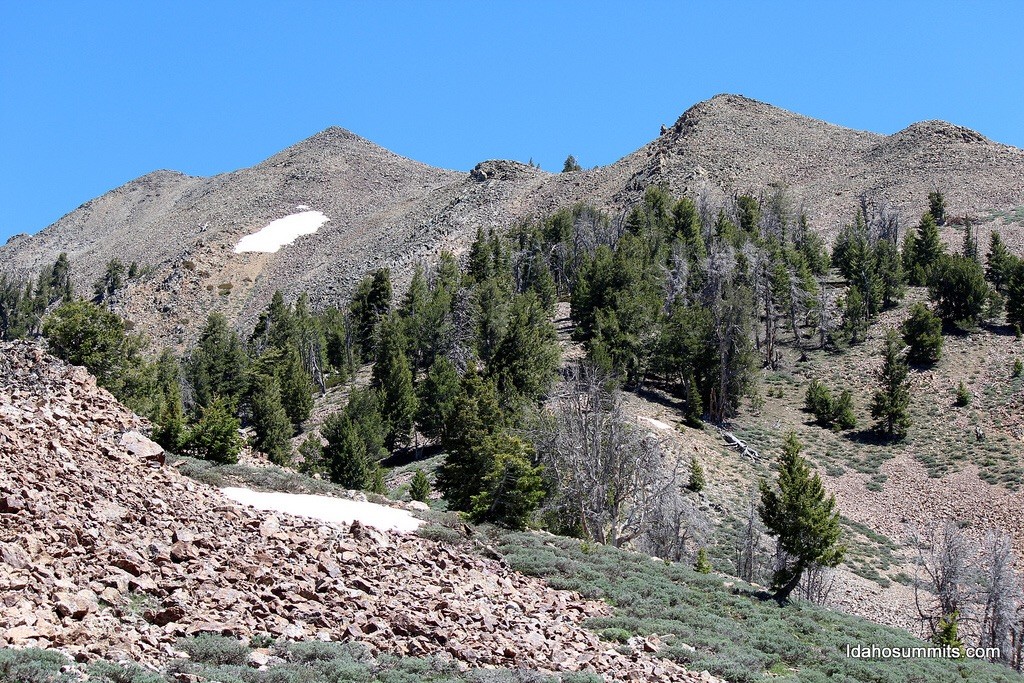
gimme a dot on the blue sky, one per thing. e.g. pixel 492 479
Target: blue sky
pixel 93 94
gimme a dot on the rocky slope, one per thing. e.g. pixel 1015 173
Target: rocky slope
pixel 105 553
pixel 385 210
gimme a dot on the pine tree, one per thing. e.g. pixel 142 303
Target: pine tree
pixel 1015 297
pixel 702 565
pixel 892 400
pixel 169 414
pixel 355 441
pixel 571 165
pixel 437 396
pixel 217 365
pixel 512 487
pixel 855 315
pixel 215 435
pixel 1000 263
pixel 392 377
pixel 296 388
pixel 527 356
pixel 370 303
pixel 959 291
pixel 937 206
pixel 922 332
pixel 476 417
pixel 419 487
pixel 270 421
pixel 924 252
pixel 803 517
pixel 697 481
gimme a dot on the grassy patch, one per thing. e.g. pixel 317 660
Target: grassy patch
pixel 733 630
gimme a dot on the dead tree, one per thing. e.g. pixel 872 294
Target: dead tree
pixel 605 471
pixel 945 558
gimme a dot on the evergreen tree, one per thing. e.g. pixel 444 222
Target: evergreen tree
pixel 922 332
pixel 476 417
pixel 527 357
pixel 215 435
pixel 970 245
pixel 491 303
pixel 803 517
pixel 959 291
pixel 112 280
pixel 370 303
pixel 512 487
pixel 889 270
pixel 392 377
pixel 702 565
pixel 1000 263
pixel 937 206
pixel 437 396
pixel 168 415
pixel 296 388
pixel 217 365
pixel 855 315
pixel 419 487
pixel 890 405
pixel 355 441
pixel 83 333
pixel 697 481
pixel 686 226
pixel 923 251
pixel 270 421
pixel 571 165
pixel 1015 297
pixel 60 279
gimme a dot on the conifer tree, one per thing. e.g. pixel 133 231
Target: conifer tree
pixel 296 388
pixel 999 263
pixel 217 365
pixel 959 291
pixel 215 435
pixel 922 332
pixel 697 481
pixel 392 377
pixel 370 303
pixel 571 165
pixel 437 395
pixel 923 251
pixel 803 517
pixel 476 417
pixel 1015 297
pixel 355 441
pixel 511 488
pixel 273 428
pixel 937 206
pixel 527 357
pixel 890 405
pixel 419 487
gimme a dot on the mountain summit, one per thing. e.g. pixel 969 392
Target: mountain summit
pixel 384 210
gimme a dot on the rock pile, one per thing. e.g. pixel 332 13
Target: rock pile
pixel 104 552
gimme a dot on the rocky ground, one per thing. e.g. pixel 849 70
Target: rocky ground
pixel 107 553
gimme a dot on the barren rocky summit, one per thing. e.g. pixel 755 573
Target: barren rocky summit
pixel 107 553
pixel 388 211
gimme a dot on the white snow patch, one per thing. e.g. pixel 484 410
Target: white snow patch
pixel 302 207
pixel 282 231
pixel 656 423
pixel 327 508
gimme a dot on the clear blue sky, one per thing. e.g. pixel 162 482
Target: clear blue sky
pixel 93 94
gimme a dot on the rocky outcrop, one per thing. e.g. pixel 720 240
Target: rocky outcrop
pixel 104 552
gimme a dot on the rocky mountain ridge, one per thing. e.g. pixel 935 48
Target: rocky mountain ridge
pixel 388 211
pixel 107 554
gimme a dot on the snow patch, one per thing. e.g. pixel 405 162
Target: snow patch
pixel 656 423
pixel 282 231
pixel 326 508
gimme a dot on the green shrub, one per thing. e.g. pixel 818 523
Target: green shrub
pixel 108 672
pixel 209 648
pixel 1018 368
pixel 702 566
pixel 32 666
